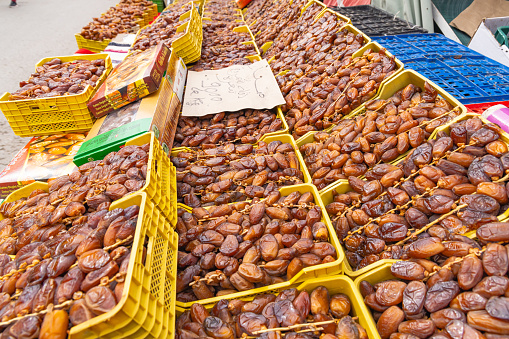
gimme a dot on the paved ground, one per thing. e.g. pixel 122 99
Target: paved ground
pixel 33 30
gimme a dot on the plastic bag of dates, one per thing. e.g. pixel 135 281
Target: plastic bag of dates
pixel 459 292
pixel 243 246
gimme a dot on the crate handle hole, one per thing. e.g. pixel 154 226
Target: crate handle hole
pixel 145 246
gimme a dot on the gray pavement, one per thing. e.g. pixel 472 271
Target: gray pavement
pixel 33 30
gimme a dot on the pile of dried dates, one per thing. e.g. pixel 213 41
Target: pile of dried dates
pixel 269 316
pixel 245 245
pixel 66 248
pixel 57 78
pixel 317 100
pixel 222 47
pixel 387 130
pixel 255 9
pixel 246 126
pixel 73 263
pixel 309 40
pixel 164 29
pixel 442 189
pixel 231 173
pixel 463 292
pixel 122 18
pixel 277 16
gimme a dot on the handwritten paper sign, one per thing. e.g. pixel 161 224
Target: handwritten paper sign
pixel 231 89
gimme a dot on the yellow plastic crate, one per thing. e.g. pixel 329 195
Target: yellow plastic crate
pixel 343 18
pixel 342 186
pixel 335 284
pixel 504 136
pixel 161 176
pixel 24 192
pixel 310 137
pixel 374 46
pixel 399 81
pixel 246 29
pixel 45 116
pixel 378 274
pixel 327 197
pixel 147 307
pixel 282 131
pixel 91 45
pixel 339 15
pixel 146 19
pixel 188 46
pixel 152 11
pixel 267 138
pixel 173 194
pixel 310 3
pixel 317 271
pixel 160 184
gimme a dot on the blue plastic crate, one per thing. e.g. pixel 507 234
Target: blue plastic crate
pixel 458 82
pixel 469 76
pixel 442 83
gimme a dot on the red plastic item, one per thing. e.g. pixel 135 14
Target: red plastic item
pixel 154 18
pixel 84 51
pixel 480 108
pixel 242 3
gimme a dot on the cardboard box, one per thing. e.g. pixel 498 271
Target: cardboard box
pixel 484 42
pixel 41 159
pixel 139 75
pixel 176 74
pixel 157 112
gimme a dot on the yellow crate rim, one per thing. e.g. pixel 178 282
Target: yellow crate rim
pixel 335 284
pixel 324 269
pixel 107 69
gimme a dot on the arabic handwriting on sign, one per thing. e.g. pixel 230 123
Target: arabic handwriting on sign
pixel 194 102
pixel 211 91
pixel 241 92
pixel 212 84
pixel 257 77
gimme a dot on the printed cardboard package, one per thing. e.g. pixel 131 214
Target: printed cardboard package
pixel 157 112
pixel 139 75
pixel 41 159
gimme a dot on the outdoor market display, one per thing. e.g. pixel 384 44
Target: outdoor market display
pixel 369 205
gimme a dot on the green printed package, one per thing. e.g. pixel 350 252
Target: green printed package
pixel 157 112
